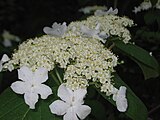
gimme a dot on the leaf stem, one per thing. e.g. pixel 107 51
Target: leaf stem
pixel 55 79
pixel 115 4
pixel 59 78
pixel 154 109
pixel 113 44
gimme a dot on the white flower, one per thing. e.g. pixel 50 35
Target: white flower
pixel 71 104
pixel 57 30
pixel 89 32
pixel 4 59
pixel 120 97
pixel 95 33
pixel 7 43
pixel 145 5
pixel 31 85
pixel 158 4
pixel 89 9
pixel 103 12
pixel 136 9
pixel 8 37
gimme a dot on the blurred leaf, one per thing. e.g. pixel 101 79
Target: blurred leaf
pixel 153 2
pixel 0 81
pixel 136 109
pixel 91 92
pixel 150 17
pixel 158 18
pixel 147 71
pixel 148 63
pixel 83 2
pixel 13 107
pixel 96 108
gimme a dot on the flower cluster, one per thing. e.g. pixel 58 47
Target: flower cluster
pixel 103 25
pixel 83 58
pixel 85 61
pixel 145 5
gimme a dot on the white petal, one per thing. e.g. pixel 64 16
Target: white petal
pixel 122 91
pixel 43 90
pixel 115 11
pixel 114 91
pixel 55 25
pixel 19 87
pixel 10 67
pixel 89 32
pixel 59 29
pixel 5 58
pixel 70 115
pixel 47 30
pixel 121 100
pixel 41 75
pixel 59 107
pixel 82 111
pixel 79 95
pixel 7 43
pixel 110 10
pixel 0 66
pixel 31 99
pixel 56 30
pixel 121 104
pixel 25 74
pixel 65 93
pixel 114 97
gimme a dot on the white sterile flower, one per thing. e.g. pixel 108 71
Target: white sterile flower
pixel 31 85
pixel 120 97
pixel 145 5
pixel 89 9
pixel 4 59
pixel 57 30
pixel 8 37
pixel 89 32
pixel 104 12
pixel 158 4
pixel 7 43
pixel 136 9
pixel 71 104
pixel 104 36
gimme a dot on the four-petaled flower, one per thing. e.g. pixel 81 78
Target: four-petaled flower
pixel 71 104
pixel 57 30
pixel 108 12
pixel 31 85
pixel 4 59
pixel 120 97
pixel 95 33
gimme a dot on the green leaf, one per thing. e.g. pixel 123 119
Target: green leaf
pixel 13 107
pixel 150 17
pixel 96 107
pixel 147 71
pixel 147 63
pixel 0 81
pixel 136 109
